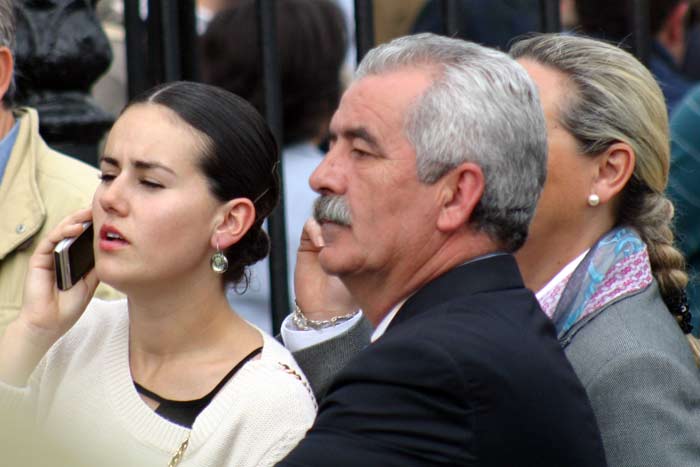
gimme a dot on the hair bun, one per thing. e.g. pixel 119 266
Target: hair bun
pixel 250 249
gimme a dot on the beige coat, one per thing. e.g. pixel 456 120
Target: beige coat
pixel 39 188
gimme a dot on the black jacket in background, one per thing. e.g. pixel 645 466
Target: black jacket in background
pixel 468 373
pixel 493 23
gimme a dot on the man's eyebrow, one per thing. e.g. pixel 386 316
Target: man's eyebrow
pixel 363 134
pixel 139 164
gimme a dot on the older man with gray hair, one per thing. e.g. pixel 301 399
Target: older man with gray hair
pixel 436 163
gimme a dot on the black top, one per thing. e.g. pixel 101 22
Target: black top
pixel 468 373
pixel 185 412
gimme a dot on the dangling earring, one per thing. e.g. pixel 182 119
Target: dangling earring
pixel 219 262
pixel 593 200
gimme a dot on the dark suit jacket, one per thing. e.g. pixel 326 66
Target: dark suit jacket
pixel 468 373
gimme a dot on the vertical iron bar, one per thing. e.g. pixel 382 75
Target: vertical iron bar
pixel 364 27
pixel 639 25
pixel 189 66
pixel 267 37
pixel 550 19
pixel 154 46
pixel 137 79
pixel 170 40
pixel 450 21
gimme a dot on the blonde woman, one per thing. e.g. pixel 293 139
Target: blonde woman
pixel 601 250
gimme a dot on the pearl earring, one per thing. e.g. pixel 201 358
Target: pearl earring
pixel 219 261
pixel 593 200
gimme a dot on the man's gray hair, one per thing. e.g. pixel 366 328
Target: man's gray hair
pixel 7 24
pixel 481 107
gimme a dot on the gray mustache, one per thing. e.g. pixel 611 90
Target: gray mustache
pixel 332 208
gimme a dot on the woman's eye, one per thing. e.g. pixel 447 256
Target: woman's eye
pixel 151 184
pixel 105 177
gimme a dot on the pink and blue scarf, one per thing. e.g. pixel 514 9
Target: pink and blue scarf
pixel 616 267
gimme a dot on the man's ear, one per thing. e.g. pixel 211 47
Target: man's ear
pixel 7 70
pixel 233 222
pixel 615 168
pixel 462 189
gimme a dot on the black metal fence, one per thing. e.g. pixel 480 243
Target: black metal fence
pixel 163 47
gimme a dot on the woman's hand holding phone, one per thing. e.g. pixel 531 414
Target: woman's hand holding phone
pixel 47 312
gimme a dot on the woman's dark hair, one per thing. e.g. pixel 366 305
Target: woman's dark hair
pixel 311 45
pixel 239 157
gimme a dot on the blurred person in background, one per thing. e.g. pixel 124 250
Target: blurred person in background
pixel 110 91
pixel 667 25
pixel 312 44
pixel 493 23
pixel 683 188
pixel 691 64
pixel 685 167
pixel 206 10
pixel 394 18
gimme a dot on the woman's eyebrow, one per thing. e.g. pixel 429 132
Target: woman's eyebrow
pixel 108 160
pixel 146 165
pixel 139 164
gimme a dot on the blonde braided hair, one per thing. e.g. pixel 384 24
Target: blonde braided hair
pixel 614 98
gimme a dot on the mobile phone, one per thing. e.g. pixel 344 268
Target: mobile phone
pixel 74 257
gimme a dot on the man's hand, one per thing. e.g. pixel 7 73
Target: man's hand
pixel 319 295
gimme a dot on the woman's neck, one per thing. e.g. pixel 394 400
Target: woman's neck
pixel 181 344
pixel 168 327
pixel 177 320
pixel 178 356
pixel 550 247
pixel 539 261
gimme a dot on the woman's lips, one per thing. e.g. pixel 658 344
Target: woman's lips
pixel 111 239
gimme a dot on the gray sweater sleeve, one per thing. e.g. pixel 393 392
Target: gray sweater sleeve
pixel 322 361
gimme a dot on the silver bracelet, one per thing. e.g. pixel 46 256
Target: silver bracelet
pixel 304 323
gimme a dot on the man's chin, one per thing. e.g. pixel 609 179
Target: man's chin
pixel 334 261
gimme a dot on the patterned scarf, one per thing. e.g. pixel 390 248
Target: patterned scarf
pixel 615 267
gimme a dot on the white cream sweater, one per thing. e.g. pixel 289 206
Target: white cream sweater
pixel 82 395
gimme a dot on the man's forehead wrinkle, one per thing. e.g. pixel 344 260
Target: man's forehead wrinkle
pixel 367 110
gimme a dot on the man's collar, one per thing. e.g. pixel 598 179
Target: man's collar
pixel 486 272
pixel 386 321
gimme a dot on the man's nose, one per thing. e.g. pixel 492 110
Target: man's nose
pixel 329 175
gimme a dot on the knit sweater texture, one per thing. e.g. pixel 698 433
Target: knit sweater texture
pixel 82 399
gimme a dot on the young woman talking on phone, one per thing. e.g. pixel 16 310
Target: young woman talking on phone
pixel 169 375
